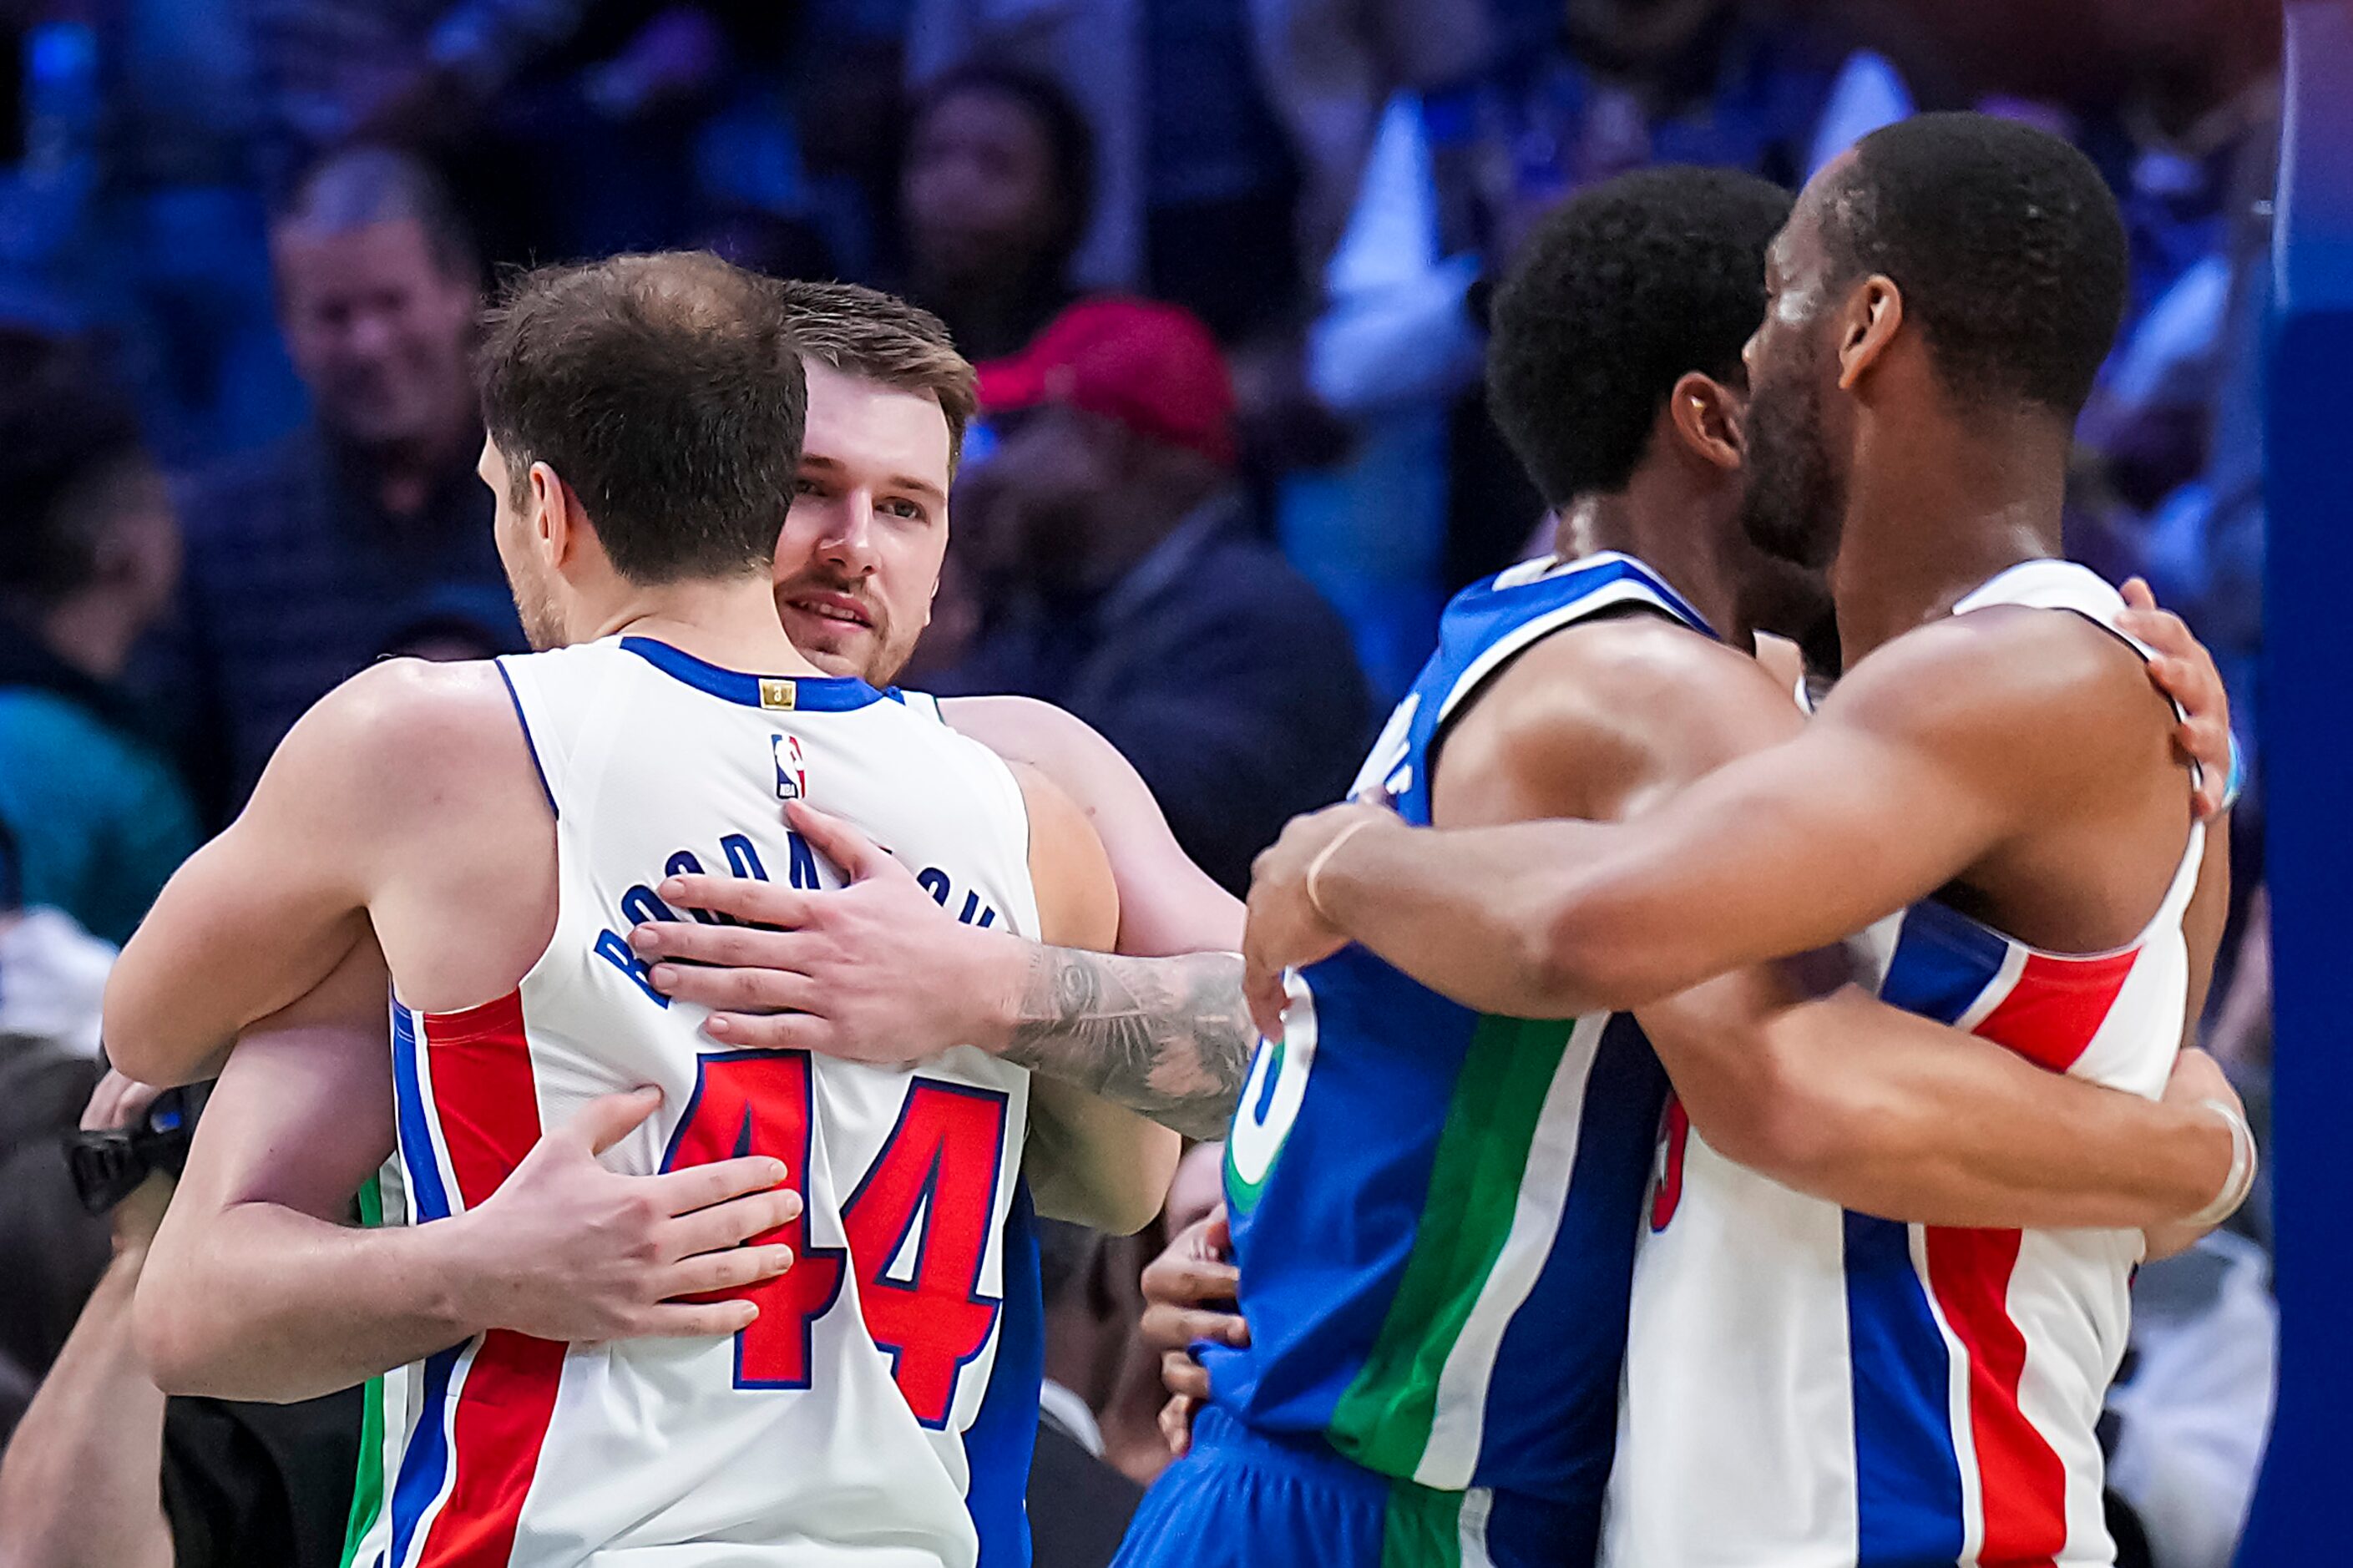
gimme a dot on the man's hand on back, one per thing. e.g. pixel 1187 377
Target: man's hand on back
pixel 566 1249
pixel 874 972
pixel 2185 673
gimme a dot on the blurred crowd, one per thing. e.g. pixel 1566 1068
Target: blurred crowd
pixel 1223 264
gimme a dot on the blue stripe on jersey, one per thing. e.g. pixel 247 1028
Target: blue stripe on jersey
pixel 536 765
pixel 416 1156
pixel 425 1458
pixel 1907 1475
pixel 1004 1430
pixel 1942 964
pixel 811 693
pixel 1561 1350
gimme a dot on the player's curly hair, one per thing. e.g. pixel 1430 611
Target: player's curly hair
pixel 1615 294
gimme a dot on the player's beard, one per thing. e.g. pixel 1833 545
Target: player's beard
pixel 1794 497
pixel 874 653
pixel 543 622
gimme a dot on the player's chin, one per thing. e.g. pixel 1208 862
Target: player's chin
pixel 838 648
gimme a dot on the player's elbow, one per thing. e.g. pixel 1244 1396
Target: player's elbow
pixel 1124 1202
pixel 1802 1131
pixel 140 1043
pixel 1573 960
pixel 167 1333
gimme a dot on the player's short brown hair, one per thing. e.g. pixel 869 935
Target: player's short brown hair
pixel 881 338
pixel 666 392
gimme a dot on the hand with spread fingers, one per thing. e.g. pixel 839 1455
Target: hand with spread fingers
pixel 2184 670
pixel 828 971
pixel 566 1249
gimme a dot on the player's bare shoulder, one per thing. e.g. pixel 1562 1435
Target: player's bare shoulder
pixel 1614 704
pixel 1059 744
pixel 2027 688
pixel 402 736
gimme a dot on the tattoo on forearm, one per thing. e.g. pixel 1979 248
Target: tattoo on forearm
pixel 1168 1036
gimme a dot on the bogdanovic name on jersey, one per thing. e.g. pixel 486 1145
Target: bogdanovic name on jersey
pixel 640 904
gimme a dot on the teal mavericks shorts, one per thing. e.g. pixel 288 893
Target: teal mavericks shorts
pixel 1244 1499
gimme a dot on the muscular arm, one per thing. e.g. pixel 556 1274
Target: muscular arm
pixel 1840 1096
pixel 260 1288
pixel 1926 758
pixel 348 790
pixel 1172 1038
pixel 192 975
pixel 1088 1160
pixel 79 1484
pixel 1166 904
pixel 1781 1067
pixel 257 1286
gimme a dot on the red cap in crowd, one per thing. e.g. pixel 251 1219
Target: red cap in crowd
pixel 1152 367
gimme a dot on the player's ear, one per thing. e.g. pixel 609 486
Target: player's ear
pixel 1874 314
pixel 554 516
pixel 1704 415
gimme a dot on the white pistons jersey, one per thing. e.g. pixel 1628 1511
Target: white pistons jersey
pixel 880 1410
pixel 1809 1387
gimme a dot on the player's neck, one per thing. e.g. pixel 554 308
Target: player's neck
pixel 1931 514
pixel 729 622
pixel 1661 523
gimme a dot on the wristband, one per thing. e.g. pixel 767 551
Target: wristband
pixel 2241 1179
pixel 1315 867
pixel 2236 782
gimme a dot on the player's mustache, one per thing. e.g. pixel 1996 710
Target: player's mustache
pixel 848 588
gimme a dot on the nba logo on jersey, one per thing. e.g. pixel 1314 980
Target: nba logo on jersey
pixel 792 775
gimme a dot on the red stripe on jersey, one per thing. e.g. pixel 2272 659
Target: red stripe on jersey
pixel 487 1104
pixel 2021 1481
pixel 2058 1005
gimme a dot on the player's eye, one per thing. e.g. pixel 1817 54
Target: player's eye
pixel 807 487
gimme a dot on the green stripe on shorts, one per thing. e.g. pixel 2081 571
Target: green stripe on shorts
pixel 367 1485
pixel 1383 1418
pixel 1421 1528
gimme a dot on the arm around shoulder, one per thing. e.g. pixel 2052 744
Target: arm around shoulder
pixel 1168 905
pixel 1089 1160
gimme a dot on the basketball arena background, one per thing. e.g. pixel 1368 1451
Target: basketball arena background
pixel 1323 191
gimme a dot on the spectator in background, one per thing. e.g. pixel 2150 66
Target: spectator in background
pixel 1078 1502
pixel 52 973
pixel 104 1471
pixel 1230 133
pixel 302 558
pixel 1125 579
pixel 331 72
pixel 997 186
pixel 89 556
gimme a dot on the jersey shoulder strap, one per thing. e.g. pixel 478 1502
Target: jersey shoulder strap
pixel 1490 621
pixel 1485 626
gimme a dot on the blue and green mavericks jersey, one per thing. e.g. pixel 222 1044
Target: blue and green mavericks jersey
pixel 1435 1209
